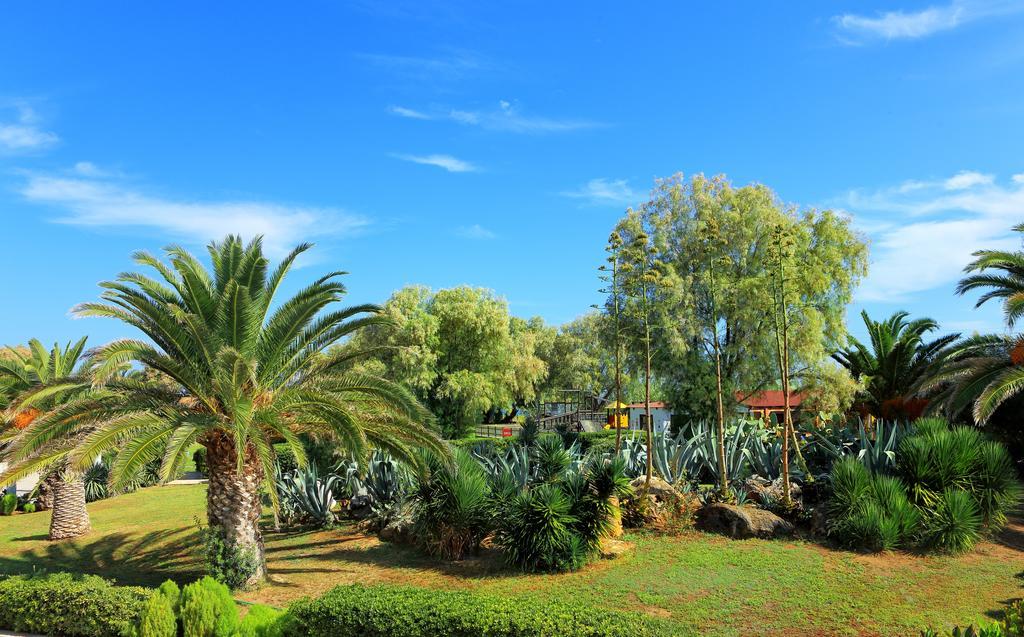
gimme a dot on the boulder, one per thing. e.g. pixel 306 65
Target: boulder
pixel 764 491
pixel 742 521
pixel 359 507
pixel 660 490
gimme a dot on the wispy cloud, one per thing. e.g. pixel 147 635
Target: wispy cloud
pixel 24 132
pixel 85 201
pixel 505 117
pixel 904 25
pixel 449 163
pixel 409 113
pixel 452 66
pixel 923 236
pixel 475 231
pixel 602 191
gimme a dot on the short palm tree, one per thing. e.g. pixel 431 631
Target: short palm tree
pixel 31 383
pixel 241 374
pixel 983 372
pixel 895 360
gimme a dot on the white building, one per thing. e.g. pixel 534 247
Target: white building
pixel 661 416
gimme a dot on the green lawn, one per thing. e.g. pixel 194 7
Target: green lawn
pixel 708 585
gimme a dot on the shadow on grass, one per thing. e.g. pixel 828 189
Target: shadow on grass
pixel 144 560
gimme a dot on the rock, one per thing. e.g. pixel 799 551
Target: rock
pixel 764 491
pixel 612 549
pixel 660 490
pixel 742 522
pixel 397 532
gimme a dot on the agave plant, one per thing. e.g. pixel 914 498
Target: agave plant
pixel 703 445
pixel 515 464
pixel 307 496
pixel 671 457
pixel 634 456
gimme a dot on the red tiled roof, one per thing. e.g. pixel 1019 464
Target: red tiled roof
pixel 655 404
pixel 769 398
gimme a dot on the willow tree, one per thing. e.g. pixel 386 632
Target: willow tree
pixel 242 373
pixel 716 302
pixel 30 382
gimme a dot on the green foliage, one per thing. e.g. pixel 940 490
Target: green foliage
pixel 8 504
pixel 158 618
pixel 597 442
pixel 307 498
pixel 172 592
pixel 870 511
pixel 392 611
pixel 29 507
pixel 70 605
pixel 199 460
pixel 485 445
pixel 226 561
pixel 262 621
pixel 1011 625
pixel 450 507
pixel 954 526
pixel 207 609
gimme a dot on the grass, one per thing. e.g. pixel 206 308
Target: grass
pixel 705 584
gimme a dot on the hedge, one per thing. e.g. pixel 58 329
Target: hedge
pixel 69 605
pixel 497 445
pixel 396 611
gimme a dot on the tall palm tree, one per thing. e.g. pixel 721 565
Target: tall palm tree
pixel 40 380
pixel 983 372
pixel 243 374
pixel 894 362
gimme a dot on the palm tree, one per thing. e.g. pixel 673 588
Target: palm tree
pixel 894 363
pixel 30 383
pixel 983 372
pixel 243 375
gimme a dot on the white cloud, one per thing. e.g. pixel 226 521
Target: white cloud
pixel 967 179
pixel 103 203
pixel 475 231
pixel 443 67
pixel 24 133
pixel 401 111
pixel 903 25
pixel 604 192
pixel 1018 178
pixel 922 238
pixel 506 118
pixel 449 163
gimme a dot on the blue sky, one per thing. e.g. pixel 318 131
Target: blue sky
pixel 494 145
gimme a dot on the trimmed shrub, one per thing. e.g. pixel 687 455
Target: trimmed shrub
pixel 8 504
pixel 207 609
pixel 28 507
pixel 393 611
pixel 486 446
pixel 262 621
pixel 171 591
pixel 199 460
pixel 158 618
pixel 599 442
pixel 70 605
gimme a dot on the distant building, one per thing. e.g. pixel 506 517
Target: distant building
pixel 661 416
pixel 763 404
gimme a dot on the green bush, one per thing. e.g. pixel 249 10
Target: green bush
pixel 598 441
pixel 28 507
pixel 495 446
pixel 450 507
pixel 199 460
pixel 8 504
pixel 870 511
pixel 392 611
pixel 955 524
pixel 262 621
pixel 207 609
pixel 171 591
pixel 225 561
pixel 158 618
pixel 70 605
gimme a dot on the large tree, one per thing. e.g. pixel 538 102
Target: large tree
pixel 460 351
pixel 897 358
pixel 243 373
pixel 33 380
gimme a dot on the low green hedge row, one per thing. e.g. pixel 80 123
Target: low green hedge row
pixel 69 605
pixel 396 611
pixel 497 445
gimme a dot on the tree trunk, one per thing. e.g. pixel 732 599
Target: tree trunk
pixel 70 518
pixel 233 502
pixel 647 413
pixel 47 487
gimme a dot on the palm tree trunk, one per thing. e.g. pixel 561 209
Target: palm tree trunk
pixel 70 518
pixel 47 486
pixel 233 502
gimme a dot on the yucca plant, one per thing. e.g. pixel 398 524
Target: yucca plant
pixel 954 526
pixel 451 514
pixel 238 372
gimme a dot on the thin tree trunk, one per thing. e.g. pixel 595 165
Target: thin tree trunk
pixel 647 408
pixel 70 518
pixel 723 475
pixel 233 499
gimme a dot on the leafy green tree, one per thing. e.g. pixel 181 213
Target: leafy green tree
pixel 33 381
pixel 895 361
pixel 243 373
pixel 460 351
pixel 576 355
pixel 716 304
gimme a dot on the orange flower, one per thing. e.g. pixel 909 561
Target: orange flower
pixel 1017 353
pixel 25 418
